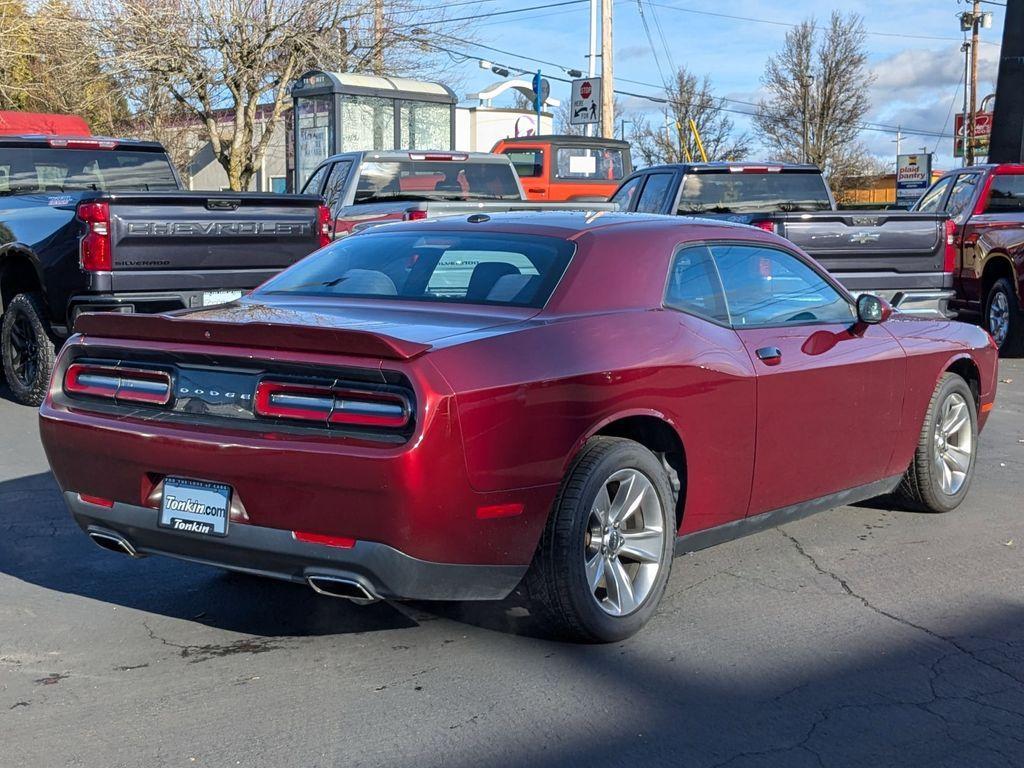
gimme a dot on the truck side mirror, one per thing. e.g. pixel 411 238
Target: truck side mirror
pixel 872 310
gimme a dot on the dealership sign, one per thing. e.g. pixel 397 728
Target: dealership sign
pixel 913 176
pixel 978 138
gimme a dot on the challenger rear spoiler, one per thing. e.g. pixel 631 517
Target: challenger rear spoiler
pixel 296 338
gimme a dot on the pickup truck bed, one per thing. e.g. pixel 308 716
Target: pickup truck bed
pixel 95 224
pixel 903 256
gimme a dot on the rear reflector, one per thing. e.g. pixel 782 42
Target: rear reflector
pixel 498 510
pixel 120 384
pixel 767 226
pixel 331 405
pixel 343 542
pixel 99 501
pixel 986 407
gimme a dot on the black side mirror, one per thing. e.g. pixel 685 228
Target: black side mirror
pixel 872 310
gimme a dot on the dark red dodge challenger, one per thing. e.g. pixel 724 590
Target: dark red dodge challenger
pixel 445 409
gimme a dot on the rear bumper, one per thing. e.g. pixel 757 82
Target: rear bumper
pixel 925 294
pixel 148 302
pixel 383 571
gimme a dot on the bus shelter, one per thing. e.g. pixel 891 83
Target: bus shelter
pixel 344 112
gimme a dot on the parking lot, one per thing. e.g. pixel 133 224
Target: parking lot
pixel 862 636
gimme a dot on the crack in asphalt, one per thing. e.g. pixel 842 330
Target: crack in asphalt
pixel 893 617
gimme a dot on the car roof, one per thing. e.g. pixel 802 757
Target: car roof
pixel 564 224
pixel 38 140
pixel 719 166
pixel 421 155
pixel 557 138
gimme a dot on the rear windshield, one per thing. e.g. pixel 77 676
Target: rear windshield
pixel 1007 194
pixel 25 171
pixel 590 164
pixel 460 268
pixel 447 180
pixel 752 193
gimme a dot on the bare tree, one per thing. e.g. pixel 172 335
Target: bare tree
pixel 817 97
pixel 15 54
pixel 670 139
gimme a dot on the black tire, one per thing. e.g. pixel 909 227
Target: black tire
pixel 27 349
pixel 1003 318
pixel 922 485
pixel 557 583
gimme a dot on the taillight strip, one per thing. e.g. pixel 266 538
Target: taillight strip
pixel 117 383
pixel 331 405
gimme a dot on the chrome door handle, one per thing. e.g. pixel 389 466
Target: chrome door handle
pixel 770 355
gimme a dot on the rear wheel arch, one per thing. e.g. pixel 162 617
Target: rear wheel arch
pixel 997 265
pixel 656 433
pixel 19 273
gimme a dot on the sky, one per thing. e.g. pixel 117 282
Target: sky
pixel 913 47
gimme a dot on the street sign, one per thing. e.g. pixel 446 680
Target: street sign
pixel 585 105
pixel 913 176
pixel 979 137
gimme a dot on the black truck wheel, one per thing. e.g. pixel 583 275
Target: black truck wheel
pixel 1003 317
pixel 27 349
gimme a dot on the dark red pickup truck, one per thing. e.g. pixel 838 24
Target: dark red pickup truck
pixel 986 203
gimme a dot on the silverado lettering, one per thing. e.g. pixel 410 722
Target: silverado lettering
pixel 217 228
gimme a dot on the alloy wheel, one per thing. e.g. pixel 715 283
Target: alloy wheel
pixel 24 349
pixel 954 443
pixel 625 539
pixel 999 317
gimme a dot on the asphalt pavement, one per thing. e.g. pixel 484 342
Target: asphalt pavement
pixel 863 636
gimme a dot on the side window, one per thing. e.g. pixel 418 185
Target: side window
pixel 694 286
pixel 624 194
pixel 766 286
pixel 313 184
pixel 529 163
pixel 336 182
pixel 1007 195
pixel 963 192
pixel 931 202
pixel 652 196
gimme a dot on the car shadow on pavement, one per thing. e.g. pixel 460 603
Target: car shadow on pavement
pixel 42 545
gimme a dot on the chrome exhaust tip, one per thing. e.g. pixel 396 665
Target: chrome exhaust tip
pixel 336 586
pixel 113 542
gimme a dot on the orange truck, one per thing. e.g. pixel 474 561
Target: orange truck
pixel 557 168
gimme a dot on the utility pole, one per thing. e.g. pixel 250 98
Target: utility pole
pixel 899 140
pixel 607 80
pixel 966 48
pixel 592 67
pixel 378 37
pixel 969 124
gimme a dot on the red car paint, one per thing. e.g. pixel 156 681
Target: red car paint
pixel 505 397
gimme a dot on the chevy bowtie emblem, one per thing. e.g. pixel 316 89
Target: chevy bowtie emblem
pixel 864 237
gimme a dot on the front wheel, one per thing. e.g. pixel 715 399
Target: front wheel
pixel 1003 317
pixel 605 556
pixel 28 351
pixel 940 474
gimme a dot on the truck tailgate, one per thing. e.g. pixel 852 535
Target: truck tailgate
pixel 195 239
pixel 889 241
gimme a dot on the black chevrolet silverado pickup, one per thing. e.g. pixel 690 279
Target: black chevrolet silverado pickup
pixel 905 257
pixel 103 225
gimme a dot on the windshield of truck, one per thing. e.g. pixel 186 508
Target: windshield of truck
pixel 753 193
pixel 442 267
pixel 442 180
pixel 32 170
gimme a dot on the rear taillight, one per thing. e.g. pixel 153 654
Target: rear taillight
pixel 331 405
pixel 119 384
pixel 94 252
pixel 324 225
pixel 415 214
pixel 767 226
pixel 949 262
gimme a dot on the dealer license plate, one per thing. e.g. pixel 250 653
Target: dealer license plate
pixel 212 298
pixel 195 506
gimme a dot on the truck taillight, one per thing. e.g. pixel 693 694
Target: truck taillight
pixel 120 384
pixel 324 225
pixel 949 263
pixel 415 214
pixel 330 405
pixel 94 252
pixel 767 226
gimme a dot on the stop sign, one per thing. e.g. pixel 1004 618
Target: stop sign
pixel 585 90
